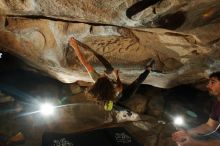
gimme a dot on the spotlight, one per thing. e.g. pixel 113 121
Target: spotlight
pixel 178 124
pixel 179 121
pixel 47 109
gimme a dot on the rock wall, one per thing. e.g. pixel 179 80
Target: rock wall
pixel 181 35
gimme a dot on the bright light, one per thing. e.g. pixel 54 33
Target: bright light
pixel 178 121
pixel 47 109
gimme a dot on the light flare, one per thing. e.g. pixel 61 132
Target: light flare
pixel 178 121
pixel 47 109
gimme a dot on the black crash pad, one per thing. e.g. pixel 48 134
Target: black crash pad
pixel 116 136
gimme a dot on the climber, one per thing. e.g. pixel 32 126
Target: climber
pixel 205 134
pixel 105 90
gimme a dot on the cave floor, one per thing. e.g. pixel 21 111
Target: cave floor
pixel 17 117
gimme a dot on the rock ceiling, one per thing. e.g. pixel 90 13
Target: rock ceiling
pixel 183 36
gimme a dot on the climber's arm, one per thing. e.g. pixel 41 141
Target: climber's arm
pixel 73 43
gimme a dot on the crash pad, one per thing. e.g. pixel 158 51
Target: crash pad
pixel 116 136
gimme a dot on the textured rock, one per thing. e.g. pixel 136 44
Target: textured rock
pixel 137 103
pixel 181 35
pixel 114 12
